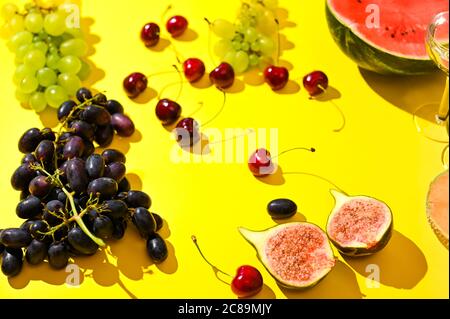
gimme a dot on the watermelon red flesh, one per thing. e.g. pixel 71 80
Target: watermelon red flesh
pixel 437 207
pixel 397 46
pixel 360 222
pixel 299 255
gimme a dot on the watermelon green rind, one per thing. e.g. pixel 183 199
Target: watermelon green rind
pixel 369 57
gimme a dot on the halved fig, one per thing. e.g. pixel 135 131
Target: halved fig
pixel 359 225
pixel 297 255
pixel 437 207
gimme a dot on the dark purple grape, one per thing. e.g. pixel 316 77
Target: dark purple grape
pixel 62 197
pixel 95 166
pixel 111 156
pixel 104 135
pixel 15 238
pixel 144 222
pixel 116 171
pixel 48 134
pixel 96 114
pixel 57 208
pixel 137 199
pixel 30 140
pixel 159 221
pixel 45 151
pixel 124 185
pixel 76 175
pixel 83 94
pixel 29 159
pixel 58 256
pixel 105 187
pixel 81 242
pixel 2 248
pixel 26 225
pixel 22 177
pixel 37 228
pixel 122 196
pixel 122 124
pixel 61 233
pixel 30 207
pixel 81 201
pixel 120 226
pixel 89 149
pixel 65 137
pixel 73 148
pixel 157 248
pixel 40 186
pixel 89 217
pixel 114 107
pixel 24 194
pixel 83 129
pixel 65 109
pixel 100 99
pixel 12 262
pixel 103 227
pixel 36 252
pixel 115 208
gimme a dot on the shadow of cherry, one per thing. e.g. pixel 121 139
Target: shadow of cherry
pixel 146 96
pixel 188 36
pixel 203 83
pixel 330 93
pixel 276 178
pixel 237 87
pixel 291 87
pixel 161 45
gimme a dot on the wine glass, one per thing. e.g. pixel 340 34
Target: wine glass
pixel 431 119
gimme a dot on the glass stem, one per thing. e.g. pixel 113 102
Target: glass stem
pixel 443 108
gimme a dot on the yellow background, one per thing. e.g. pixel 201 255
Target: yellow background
pixel 378 153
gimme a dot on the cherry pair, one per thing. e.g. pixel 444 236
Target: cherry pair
pixel 150 33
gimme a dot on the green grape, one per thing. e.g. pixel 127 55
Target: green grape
pixel 22 97
pixel 41 46
pixel 55 95
pixel 271 4
pixel 20 38
pixel 251 34
pixel 236 45
pixel 22 51
pixel 221 47
pixel 75 32
pixel 85 71
pixel 267 24
pixel 230 57
pixel 69 64
pixel 38 102
pixel 46 77
pixel 253 59
pixel 267 45
pixel 53 60
pixel 70 82
pixel 9 10
pixel 28 84
pixel 223 28
pixel 20 72
pixel 76 47
pixel 255 46
pixel 241 62
pixel 16 24
pixel 245 46
pixel 34 59
pixel 55 23
pixel 34 22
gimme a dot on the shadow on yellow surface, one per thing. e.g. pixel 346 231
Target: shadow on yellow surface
pixel 330 93
pixel 135 181
pixel 96 74
pixel 340 283
pixel 123 143
pixel 188 36
pixel 407 93
pixel 297 218
pixel 49 118
pixel 275 178
pixel 402 264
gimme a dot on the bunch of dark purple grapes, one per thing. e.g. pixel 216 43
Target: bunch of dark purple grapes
pixel 71 198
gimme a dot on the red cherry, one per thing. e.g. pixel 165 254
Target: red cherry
pixel 168 111
pixel 277 77
pixel 315 82
pixel 176 25
pixel 193 69
pixel 222 76
pixel 247 282
pixel 150 34
pixel 260 163
pixel 187 132
pixel 135 84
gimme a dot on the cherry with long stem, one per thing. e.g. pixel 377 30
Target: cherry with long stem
pixel 194 239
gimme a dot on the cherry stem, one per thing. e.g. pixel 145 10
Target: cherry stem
pixel 312 150
pixel 163 15
pixel 194 239
pixel 220 111
pixel 159 73
pixel 443 157
pixel 278 42
pixel 180 83
pixel 319 177
pixel 201 104
pixel 249 131
pixel 344 122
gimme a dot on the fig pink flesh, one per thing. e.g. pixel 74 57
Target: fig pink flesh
pixel 359 220
pixel 298 252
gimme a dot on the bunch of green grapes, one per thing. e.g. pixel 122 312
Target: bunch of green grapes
pixel 250 40
pixel 49 53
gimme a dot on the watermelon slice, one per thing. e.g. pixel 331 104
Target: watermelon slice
pixel 437 207
pixel 395 45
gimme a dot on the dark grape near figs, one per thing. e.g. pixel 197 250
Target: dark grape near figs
pixel 73 200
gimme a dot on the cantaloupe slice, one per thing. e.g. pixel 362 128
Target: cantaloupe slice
pixel 437 207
